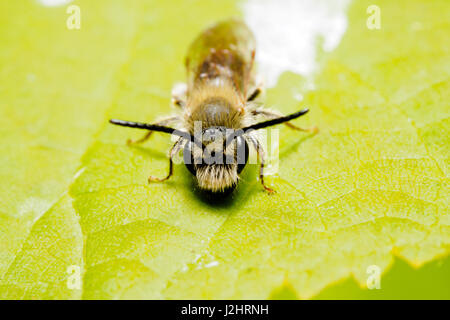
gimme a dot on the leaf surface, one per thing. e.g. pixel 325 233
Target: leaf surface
pixel 371 186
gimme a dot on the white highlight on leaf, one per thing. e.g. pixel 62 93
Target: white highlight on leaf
pixel 78 173
pixel 287 33
pixel 54 3
pixel 212 264
pixel 37 206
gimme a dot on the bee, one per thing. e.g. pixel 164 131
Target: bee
pixel 218 114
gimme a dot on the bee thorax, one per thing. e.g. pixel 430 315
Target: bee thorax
pixel 215 106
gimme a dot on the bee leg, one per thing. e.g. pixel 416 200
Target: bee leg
pixel 143 139
pixel 254 94
pixel 179 103
pixel 273 115
pixel 179 95
pixel 261 157
pixel 173 151
pixel 163 122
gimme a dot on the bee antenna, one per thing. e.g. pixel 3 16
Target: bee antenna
pixel 276 121
pixel 155 127
pixel 265 124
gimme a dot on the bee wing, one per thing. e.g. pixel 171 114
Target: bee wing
pixel 225 50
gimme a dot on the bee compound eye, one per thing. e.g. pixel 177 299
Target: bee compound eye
pixel 188 157
pixel 241 153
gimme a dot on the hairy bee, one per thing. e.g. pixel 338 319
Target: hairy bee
pixel 218 111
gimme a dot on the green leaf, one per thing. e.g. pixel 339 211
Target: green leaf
pixel 371 188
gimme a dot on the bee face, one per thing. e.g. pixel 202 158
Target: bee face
pixel 216 164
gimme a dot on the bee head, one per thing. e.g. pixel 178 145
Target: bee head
pixel 218 162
